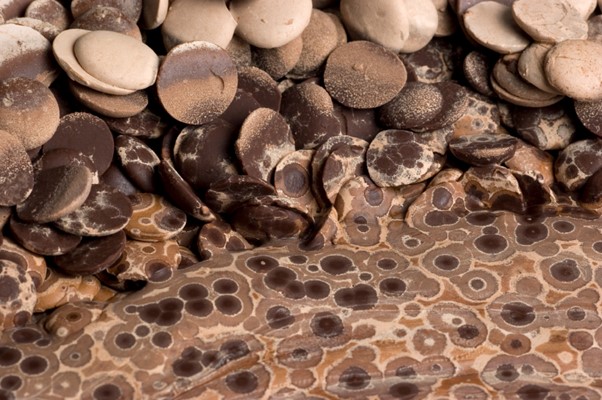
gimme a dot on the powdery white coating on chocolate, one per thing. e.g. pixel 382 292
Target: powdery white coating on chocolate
pixel 550 21
pixel 117 59
pixel 363 74
pixel 590 115
pixel 50 11
pixel 194 20
pixel 103 18
pixel 16 172
pixel 62 48
pixel 264 139
pixel 278 61
pixel 196 82
pixel 131 8
pixel 381 21
pixel 46 29
pixel 416 105
pixel 319 39
pixel 423 21
pixel 28 110
pixel 574 68
pixel 25 50
pixel 491 24
pixel 270 23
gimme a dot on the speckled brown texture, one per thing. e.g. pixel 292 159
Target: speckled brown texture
pixel 362 74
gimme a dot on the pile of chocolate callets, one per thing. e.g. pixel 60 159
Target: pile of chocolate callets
pixel 137 137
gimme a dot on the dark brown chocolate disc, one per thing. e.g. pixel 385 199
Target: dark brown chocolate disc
pixel 229 193
pixel 590 115
pixel 117 106
pixel 86 133
pixel 264 139
pixel 477 67
pixel 309 111
pixel 50 11
pixel 483 149
pixel 101 18
pixel 204 154
pixel 363 74
pixel 181 193
pixel 145 124
pixel 268 222
pixel 138 161
pixel 196 82
pixel 44 240
pixel 92 255
pixel 56 192
pixel 415 106
pixel 114 177
pixel 105 211
pixel 16 172
pixel 455 100
pixel 65 156
pixel 360 123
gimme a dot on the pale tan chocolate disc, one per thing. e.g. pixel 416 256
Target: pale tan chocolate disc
pixel 197 82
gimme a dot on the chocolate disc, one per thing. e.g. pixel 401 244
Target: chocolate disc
pixel 56 192
pixel 110 105
pixel 229 193
pixel 28 110
pixel 483 149
pixel 138 161
pixel 397 157
pixel 196 82
pixel 363 74
pixel 16 174
pixel 86 133
pixel 44 240
pixel 92 255
pixel 264 139
pixel 105 211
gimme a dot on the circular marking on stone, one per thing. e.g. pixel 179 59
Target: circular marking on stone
pixel 392 287
pixel 317 290
pixel 279 317
pixel 491 244
pixel 227 304
pixel 125 340
pixel 354 378
pixel 518 314
pixel 326 325
pixel 107 391
pixel 196 82
pixel 336 264
pixel 162 339
pixel 242 382
pixel 33 365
